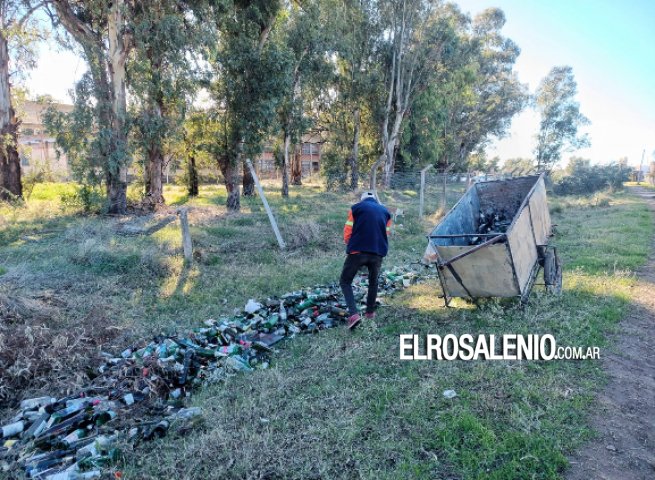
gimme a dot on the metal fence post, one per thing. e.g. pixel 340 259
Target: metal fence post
pixel 444 193
pixel 422 192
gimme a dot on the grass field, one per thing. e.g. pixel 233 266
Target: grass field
pixel 334 405
pixel 641 184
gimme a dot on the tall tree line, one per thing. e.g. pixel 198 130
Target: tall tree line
pixel 390 84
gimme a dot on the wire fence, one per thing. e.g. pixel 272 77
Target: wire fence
pixel 416 199
pixel 417 194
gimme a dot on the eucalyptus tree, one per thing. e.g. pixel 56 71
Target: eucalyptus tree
pixel 196 147
pixel 102 31
pixel 18 32
pixel 417 36
pixel 430 133
pixel 356 36
pixel 81 134
pixel 164 74
pixel 518 166
pixel 560 117
pixel 492 94
pixel 247 87
pixel 301 35
pixel 473 98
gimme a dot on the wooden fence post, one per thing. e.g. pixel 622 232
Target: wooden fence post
pixel 266 206
pixel 186 234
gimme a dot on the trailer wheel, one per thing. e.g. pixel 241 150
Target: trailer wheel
pixel 552 272
pixel 541 254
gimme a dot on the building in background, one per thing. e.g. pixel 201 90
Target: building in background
pixel 35 147
pixel 309 151
pixel 38 153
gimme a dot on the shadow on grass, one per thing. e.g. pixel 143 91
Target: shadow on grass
pixel 33 230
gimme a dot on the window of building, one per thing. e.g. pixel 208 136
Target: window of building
pixel 24 161
pixel 28 131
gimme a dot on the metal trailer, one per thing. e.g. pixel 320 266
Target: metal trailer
pixel 496 264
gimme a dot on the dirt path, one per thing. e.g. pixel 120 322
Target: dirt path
pixel 625 417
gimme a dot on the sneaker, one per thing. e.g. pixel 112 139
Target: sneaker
pixel 370 315
pixel 353 321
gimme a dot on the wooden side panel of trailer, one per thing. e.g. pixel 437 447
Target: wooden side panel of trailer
pixel 523 248
pixel 485 273
pixel 539 213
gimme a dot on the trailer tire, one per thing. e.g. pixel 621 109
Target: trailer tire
pixel 552 272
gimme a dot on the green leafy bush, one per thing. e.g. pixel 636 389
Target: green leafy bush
pixel 336 176
pixel 85 197
pixel 581 178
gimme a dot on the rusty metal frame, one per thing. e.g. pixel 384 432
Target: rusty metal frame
pixel 441 265
pixel 495 239
pixel 442 280
pixel 461 235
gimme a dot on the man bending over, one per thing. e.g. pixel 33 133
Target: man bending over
pixel 366 237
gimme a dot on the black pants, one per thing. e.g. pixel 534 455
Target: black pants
pixel 350 267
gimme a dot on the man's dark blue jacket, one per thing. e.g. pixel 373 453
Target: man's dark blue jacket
pixel 367 228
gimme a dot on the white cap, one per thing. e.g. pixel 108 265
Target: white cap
pixel 366 195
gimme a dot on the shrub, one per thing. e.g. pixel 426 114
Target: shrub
pixel 584 179
pixel 89 199
pixel 41 173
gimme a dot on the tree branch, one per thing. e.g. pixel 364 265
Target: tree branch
pixel 82 33
pixel 29 12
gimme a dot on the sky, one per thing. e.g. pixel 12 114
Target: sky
pixel 609 44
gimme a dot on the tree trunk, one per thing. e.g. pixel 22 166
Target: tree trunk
pixel 285 164
pixel 462 157
pixel 193 176
pixel 374 171
pixel 391 147
pixel 354 154
pixel 154 187
pixel 10 182
pixel 248 181
pixel 117 57
pixel 296 167
pixel 146 174
pixel 154 195
pixel 117 190
pixel 232 186
pixel 389 164
pixel 230 171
